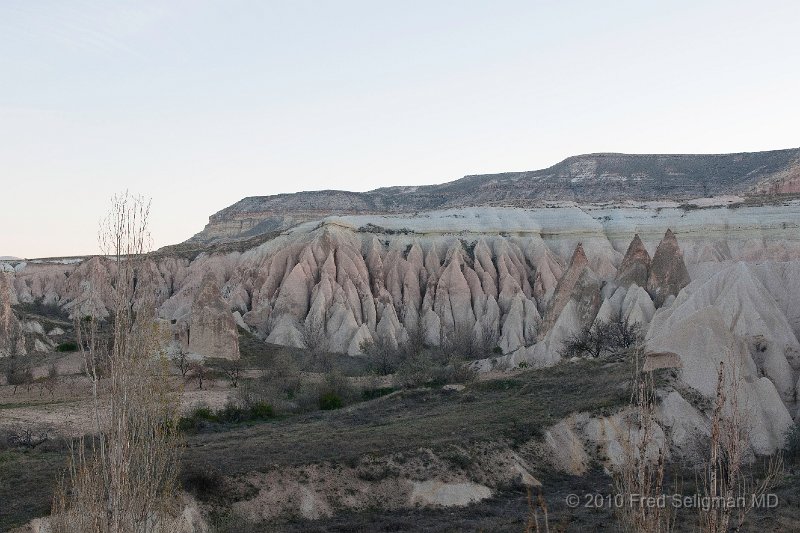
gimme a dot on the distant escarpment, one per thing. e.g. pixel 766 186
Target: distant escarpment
pixel 584 179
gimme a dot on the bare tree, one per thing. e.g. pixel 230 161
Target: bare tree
pixel 123 478
pixel 315 340
pixel 18 374
pixel 183 362
pixel 26 438
pixel 726 476
pixel 232 370
pixel 199 371
pixel 383 356
pixel 49 382
pixel 416 339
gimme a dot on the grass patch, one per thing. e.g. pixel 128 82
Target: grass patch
pixel 516 409
pixel 372 394
pixel 204 418
pixel 27 479
pixel 329 401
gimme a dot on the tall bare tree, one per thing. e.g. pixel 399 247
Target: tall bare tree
pixel 727 476
pixel 123 478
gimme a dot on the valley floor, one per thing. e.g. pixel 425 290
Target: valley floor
pixel 449 433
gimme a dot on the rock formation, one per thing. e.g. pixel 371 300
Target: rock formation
pixel 212 330
pixel 579 285
pixel 12 341
pixel 587 179
pixel 635 266
pixel 668 274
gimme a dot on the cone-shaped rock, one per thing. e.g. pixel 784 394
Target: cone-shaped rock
pixel 668 274
pixel 578 282
pixel 635 266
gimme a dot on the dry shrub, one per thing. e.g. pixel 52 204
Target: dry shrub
pixel 279 385
pixel 641 476
pixel 728 475
pixel 603 337
pixel 535 506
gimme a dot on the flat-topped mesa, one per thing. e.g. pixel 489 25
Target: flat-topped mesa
pixel 635 266
pixel 586 179
pixel 668 274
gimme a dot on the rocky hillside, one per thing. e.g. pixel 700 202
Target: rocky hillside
pixel 505 285
pixel 517 282
pixel 585 179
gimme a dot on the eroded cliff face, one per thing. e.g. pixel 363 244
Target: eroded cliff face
pixel 521 279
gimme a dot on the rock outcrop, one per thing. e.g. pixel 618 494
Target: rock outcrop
pixel 668 274
pixel 212 330
pixel 579 285
pixel 704 341
pixel 12 341
pixel 749 312
pixel 635 266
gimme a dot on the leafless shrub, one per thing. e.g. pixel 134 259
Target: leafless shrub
pixel 385 356
pixel 462 342
pixel 26 438
pixel 232 370
pixel 123 478
pixel 416 370
pixel 603 337
pixel 278 386
pixel 415 343
pixel 433 366
pixel 640 476
pixel 49 382
pixel 333 392
pixel 534 507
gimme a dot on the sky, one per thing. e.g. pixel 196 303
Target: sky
pixel 199 103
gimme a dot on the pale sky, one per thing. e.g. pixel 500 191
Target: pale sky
pixel 199 103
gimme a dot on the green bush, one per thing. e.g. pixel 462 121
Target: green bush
pixel 67 347
pixel 203 417
pixel 261 411
pixel 329 401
